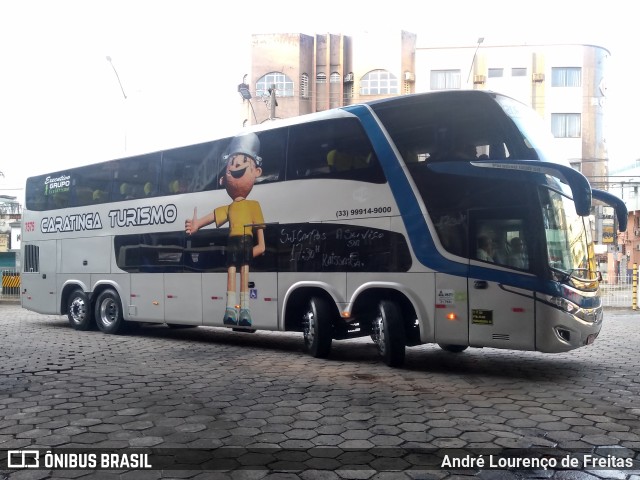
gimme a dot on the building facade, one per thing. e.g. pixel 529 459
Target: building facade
pixel 320 72
pixel 565 84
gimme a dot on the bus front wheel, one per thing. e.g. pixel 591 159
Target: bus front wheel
pixel 79 310
pixel 317 328
pixel 109 312
pixel 388 334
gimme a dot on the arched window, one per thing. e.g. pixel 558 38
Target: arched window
pixel 335 78
pixel 321 78
pixel 284 85
pixel 379 82
pixel 304 85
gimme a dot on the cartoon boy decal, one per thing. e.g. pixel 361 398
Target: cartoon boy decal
pixel 245 219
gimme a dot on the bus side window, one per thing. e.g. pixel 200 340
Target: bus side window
pixel 182 169
pixel 136 177
pixel 273 154
pixel 337 148
pixel 93 184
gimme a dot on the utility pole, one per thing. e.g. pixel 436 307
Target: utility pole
pixel 473 61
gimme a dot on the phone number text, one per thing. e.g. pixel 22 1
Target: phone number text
pixel 356 212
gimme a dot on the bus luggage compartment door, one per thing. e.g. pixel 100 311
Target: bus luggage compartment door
pixel 182 297
pixel 500 316
pixel 147 302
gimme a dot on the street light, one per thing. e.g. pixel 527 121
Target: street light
pixel 473 61
pixel 125 102
pixel 243 88
pixel 245 93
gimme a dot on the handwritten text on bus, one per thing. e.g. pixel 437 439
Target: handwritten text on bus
pixel 126 217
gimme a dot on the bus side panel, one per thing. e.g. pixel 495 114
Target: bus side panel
pixel 182 296
pixel 146 303
pixel 451 310
pixel 39 291
pixel 263 300
pixel 86 255
pixel 214 298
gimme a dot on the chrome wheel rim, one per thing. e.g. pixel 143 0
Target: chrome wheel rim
pixel 309 329
pixel 108 312
pixel 378 333
pixel 77 310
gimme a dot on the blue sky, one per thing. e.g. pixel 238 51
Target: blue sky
pixel 61 105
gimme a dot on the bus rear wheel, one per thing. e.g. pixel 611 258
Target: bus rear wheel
pixel 388 334
pixel 109 312
pixel 317 328
pixel 79 310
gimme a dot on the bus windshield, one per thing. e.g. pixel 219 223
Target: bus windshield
pixel 568 236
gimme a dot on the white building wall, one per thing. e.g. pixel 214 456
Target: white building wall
pixel 554 100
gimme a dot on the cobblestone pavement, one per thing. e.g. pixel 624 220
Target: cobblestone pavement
pixel 253 406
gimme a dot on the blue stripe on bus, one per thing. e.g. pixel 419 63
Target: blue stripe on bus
pixel 413 218
pixel 416 225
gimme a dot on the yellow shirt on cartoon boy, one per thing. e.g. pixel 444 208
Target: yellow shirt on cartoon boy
pixel 240 214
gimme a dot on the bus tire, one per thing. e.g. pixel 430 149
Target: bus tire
pixel 79 311
pixel 317 328
pixel 388 334
pixel 109 312
pixel 452 348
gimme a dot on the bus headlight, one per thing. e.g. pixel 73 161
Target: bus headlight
pixel 564 304
pixel 590 315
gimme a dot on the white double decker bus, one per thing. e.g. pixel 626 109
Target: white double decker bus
pixel 432 218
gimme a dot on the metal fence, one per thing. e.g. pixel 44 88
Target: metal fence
pixel 618 291
pixel 10 284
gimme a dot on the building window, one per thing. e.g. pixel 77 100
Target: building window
pixel 283 84
pixel 566 77
pixel 566 125
pixel 445 79
pixel 321 78
pixel 379 82
pixel 335 78
pixel 496 72
pixel 304 85
pixel 518 72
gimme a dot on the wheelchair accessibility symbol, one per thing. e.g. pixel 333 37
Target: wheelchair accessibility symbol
pixel 253 293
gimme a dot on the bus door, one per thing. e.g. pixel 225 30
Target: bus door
pixel 38 279
pixel 501 314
